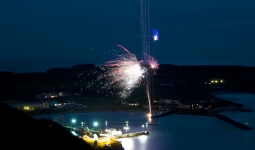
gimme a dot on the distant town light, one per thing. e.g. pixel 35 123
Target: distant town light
pixel 26 108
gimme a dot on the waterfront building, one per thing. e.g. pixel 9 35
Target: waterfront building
pixel 45 104
pixel 70 102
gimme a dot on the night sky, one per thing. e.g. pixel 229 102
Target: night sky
pixel 36 35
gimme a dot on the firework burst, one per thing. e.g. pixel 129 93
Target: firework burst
pixel 153 63
pixel 155 34
pixel 125 73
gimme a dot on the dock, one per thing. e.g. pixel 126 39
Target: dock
pixel 132 123
pixel 232 122
pixel 128 135
pixel 162 114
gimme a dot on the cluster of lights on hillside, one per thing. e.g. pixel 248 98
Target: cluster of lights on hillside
pixel 214 81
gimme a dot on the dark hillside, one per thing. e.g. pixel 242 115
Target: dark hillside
pixel 192 82
pixel 23 132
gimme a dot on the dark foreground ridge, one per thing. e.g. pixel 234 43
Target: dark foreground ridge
pixel 21 131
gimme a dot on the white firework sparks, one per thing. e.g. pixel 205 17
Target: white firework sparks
pixel 125 73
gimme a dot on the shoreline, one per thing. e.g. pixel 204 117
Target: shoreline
pixel 88 110
pixel 227 92
pixel 46 112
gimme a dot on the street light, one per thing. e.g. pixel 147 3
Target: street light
pixel 73 121
pixel 126 128
pixel 143 127
pixel 96 124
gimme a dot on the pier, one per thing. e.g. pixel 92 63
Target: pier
pixel 162 114
pixel 128 135
pixel 231 121
pixel 132 123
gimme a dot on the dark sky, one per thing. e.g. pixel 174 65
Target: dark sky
pixel 36 35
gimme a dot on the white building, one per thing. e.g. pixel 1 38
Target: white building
pixel 135 104
pixel 30 105
pixel 70 102
pixel 63 94
pixel 183 106
pixel 45 105
pixel 170 101
pixel 48 95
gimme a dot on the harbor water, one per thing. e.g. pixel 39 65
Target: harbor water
pixel 175 132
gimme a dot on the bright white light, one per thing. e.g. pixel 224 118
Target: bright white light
pixel 95 124
pixel 73 120
pixel 127 143
pixel 124 73
pixel 74 133
pixel 149 115
pixel 143 138
pixel 95 136
pixel 155 37
pixel 126 128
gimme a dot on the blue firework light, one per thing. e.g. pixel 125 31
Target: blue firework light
pixel 155 34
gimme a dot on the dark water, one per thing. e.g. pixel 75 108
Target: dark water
pixel 175 132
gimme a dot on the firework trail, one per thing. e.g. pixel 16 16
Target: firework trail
pixel 150 62
pixel 145 27
pixel 153 64
pixel 145 31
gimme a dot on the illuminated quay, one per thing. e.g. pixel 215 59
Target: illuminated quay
pixel 108 138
